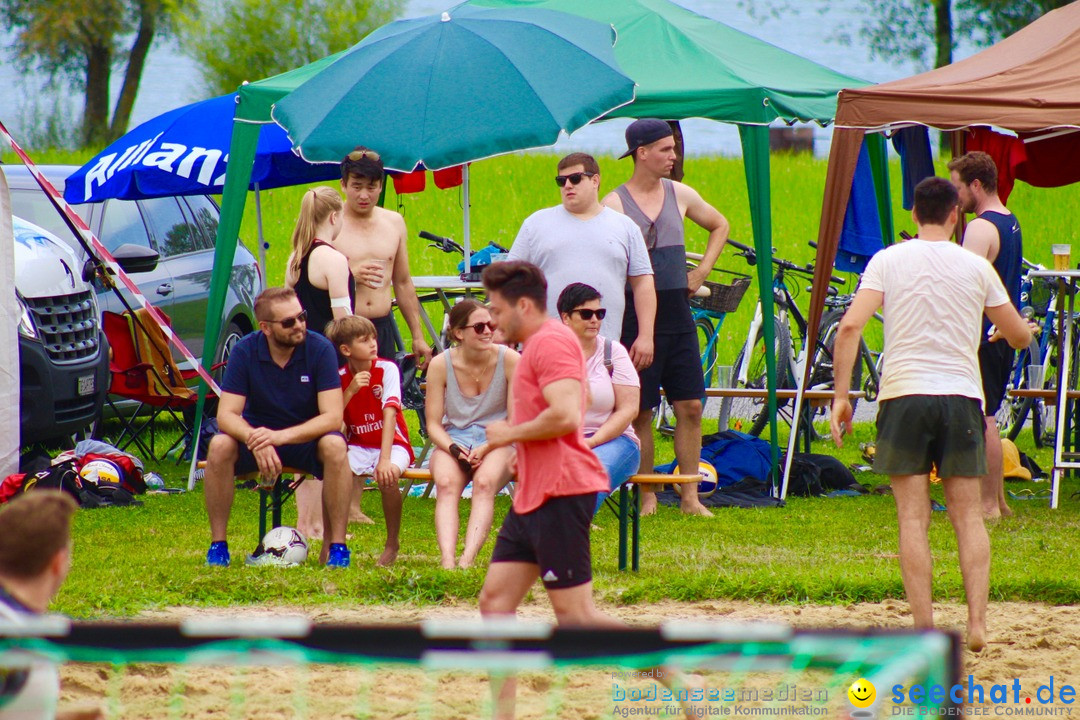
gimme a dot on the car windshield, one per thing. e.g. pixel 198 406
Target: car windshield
pixel 34 206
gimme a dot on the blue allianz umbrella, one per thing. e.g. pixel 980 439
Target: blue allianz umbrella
pixel 185 152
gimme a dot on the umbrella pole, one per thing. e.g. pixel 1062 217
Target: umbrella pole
pixel 262 243
pixel 465 192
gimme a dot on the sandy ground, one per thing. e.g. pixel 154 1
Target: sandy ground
pixel 1028 641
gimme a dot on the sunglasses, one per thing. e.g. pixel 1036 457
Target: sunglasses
pixel 289 322
pixel 587 313
pixel 479 328
pixel 574 178
pixel 361 154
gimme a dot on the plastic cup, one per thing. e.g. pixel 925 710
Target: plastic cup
pixel 723 376
pixel 384 273
pixel 1036 376
pixel 1062 256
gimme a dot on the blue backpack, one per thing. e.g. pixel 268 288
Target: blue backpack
pixel 735 456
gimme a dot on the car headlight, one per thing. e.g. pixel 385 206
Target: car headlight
pixel 26 321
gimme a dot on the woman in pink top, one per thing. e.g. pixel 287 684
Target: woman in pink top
pixel 614 387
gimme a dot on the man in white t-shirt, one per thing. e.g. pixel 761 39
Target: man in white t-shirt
pixel 583 241
pixel 934 294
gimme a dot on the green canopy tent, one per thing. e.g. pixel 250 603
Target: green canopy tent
pixel 685 66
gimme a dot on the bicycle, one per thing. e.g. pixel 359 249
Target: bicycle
pixel 1038 299
pixel 749 370
pixel 709 306
pixel 450 247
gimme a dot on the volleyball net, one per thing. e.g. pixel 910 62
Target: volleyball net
pixel 290 667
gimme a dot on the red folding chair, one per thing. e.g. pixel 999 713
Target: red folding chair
pixel 142 370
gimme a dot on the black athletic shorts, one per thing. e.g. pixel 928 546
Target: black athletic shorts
pixel 916 430
pixel 554 536
pixel 995 364
pixel 386 335
pixel 302 456
pixel 676 367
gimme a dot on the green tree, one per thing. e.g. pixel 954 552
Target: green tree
pixel 83 42
pixel 920 29
pixel 238 40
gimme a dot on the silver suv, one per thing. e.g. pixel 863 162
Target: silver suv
pixel 181 230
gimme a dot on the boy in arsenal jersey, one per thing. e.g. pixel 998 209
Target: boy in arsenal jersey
pixel 375 427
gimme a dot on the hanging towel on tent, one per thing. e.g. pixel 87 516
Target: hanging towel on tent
pixel 861 236
pixel 916 159
pixel 1007 151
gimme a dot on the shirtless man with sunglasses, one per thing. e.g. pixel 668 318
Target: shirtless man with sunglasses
pixel 582 241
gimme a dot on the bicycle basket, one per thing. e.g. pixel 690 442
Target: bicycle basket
pixel 722 298
pixel 1042 291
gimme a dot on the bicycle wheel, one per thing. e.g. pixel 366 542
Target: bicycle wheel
pixel 1014 411
pixel 757 377
pixel 821 368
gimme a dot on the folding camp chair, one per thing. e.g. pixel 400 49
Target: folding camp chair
pixel 142 369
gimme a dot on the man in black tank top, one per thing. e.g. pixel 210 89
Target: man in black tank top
pixel 658 206
pixel 995 235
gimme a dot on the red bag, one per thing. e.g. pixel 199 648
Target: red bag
pixel 131 477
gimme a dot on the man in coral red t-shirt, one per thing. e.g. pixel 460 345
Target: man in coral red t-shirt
pixel 546 533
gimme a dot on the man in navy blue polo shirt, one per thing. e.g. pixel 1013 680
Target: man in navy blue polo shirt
pixel 281 406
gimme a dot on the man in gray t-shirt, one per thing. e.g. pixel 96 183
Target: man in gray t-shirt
pixel 582 241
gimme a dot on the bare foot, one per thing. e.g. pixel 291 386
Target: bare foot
pixel 315 531
pixel 359 518
pixel 388 557
pixel 448 564
pixel 976 639
pixel 1005 510
pixel 695 508
pixel 464 564
pixel 648 504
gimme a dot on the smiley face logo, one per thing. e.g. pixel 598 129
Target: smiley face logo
pixel 862 693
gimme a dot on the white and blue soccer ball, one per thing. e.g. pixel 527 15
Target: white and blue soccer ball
pixel 286 545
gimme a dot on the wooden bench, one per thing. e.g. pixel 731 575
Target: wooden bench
pixel 1048 396
pixel 273 498
pixel 814 397
pixel 628 509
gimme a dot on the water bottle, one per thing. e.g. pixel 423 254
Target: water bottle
pixel 153 481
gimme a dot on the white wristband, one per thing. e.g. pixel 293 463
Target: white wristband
pixel 341 302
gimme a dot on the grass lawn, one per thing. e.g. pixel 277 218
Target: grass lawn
pixel 819 550
pixel 129 560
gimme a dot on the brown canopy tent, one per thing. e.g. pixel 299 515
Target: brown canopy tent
pixel 1028 83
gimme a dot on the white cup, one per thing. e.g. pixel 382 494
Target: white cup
pixel 384 273
pixel 723 376
pixel 1036 377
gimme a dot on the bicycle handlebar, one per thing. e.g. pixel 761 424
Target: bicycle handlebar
pixel 447 245
pixel 750 255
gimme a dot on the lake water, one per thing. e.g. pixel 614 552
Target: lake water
pixel 171 79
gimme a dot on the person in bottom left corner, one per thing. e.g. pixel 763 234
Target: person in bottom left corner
pixel 35 556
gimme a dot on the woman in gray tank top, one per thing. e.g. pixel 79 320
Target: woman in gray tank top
pixel 468 387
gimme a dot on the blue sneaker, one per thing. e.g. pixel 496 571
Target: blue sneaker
pixel 339 556
pixel 218 554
